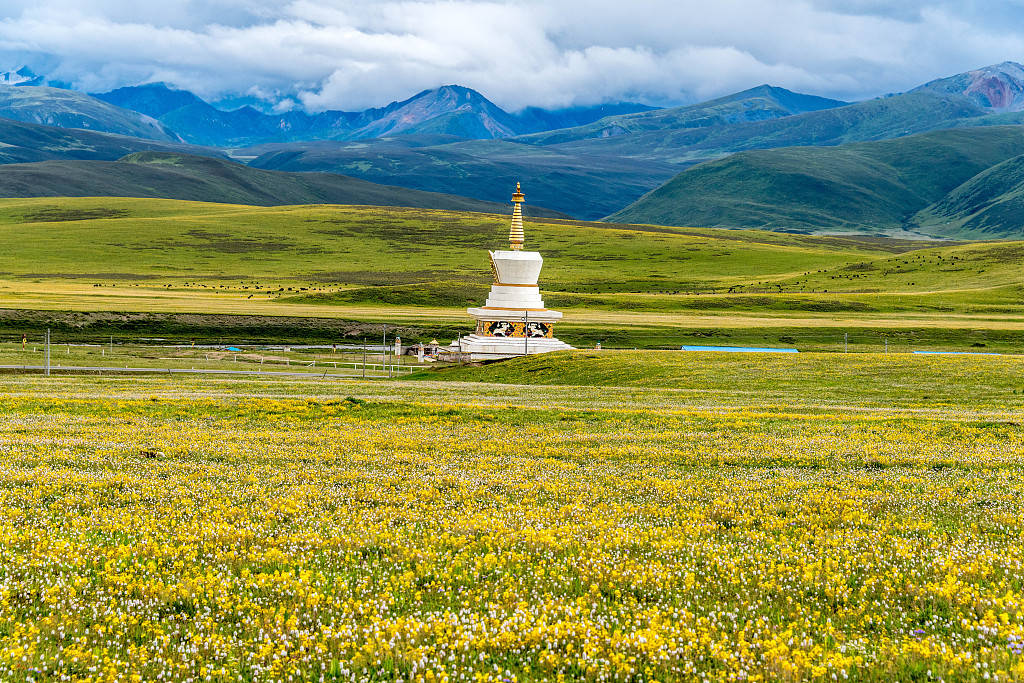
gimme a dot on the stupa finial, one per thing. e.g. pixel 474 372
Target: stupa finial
pixel 515 233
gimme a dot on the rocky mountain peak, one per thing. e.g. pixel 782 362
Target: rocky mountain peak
pixel 22 76
pixel 999 87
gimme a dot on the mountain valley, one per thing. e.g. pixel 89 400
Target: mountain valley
pixel 765 157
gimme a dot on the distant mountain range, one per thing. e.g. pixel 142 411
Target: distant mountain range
pixel 449 110
pixel 705 164
pixel 588 171
pixel 646 147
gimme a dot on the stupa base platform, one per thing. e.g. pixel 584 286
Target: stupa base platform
pixel 479 348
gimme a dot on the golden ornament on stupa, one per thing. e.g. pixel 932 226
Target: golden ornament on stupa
pixel 515 232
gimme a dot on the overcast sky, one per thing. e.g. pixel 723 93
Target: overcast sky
pixel 342 54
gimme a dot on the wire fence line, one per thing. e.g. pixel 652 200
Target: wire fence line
pixel 132 354
pixel 111 369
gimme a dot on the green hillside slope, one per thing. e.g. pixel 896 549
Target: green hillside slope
pixel 599 265
pixel 858 187
pixel 991 204
pixel 762 103
pixel 29 142
pixel 878 119
pixel 178 176
pixel 72 109
pixel 365 246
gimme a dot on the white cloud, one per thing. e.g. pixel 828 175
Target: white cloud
pixel 351 54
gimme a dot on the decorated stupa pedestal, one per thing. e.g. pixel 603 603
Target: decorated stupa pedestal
pixel 513 321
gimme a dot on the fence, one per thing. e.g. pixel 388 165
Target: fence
pixel 48 354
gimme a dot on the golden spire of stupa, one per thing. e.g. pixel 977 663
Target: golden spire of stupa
pixel 515 233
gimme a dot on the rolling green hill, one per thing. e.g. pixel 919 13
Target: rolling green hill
pixel 72 109
pixel 762 103
pixel 991 204
pixel 179 176
pixel 29 142
pixel 878 119
pixel 859 187
pixel 599 265
pixel 366 246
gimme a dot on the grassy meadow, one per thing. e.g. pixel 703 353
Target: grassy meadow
pixel 712 518
pixel 236 270
pixel 807 380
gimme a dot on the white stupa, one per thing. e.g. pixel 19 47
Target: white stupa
pixel 513 321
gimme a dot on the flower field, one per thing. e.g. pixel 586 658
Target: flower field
pixel 221 536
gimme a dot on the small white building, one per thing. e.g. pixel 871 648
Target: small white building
pixel 513 321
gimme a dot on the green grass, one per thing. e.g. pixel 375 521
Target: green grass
pixel 132 241
pixel 896 381
pixel 148 267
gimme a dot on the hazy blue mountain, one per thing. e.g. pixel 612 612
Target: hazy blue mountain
pixel 23 76
pixel 756 104
pixel 201 123
pixel 450 110
pixel 535 119
pixel 206 125
pixel 72 109
pixel 152 99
